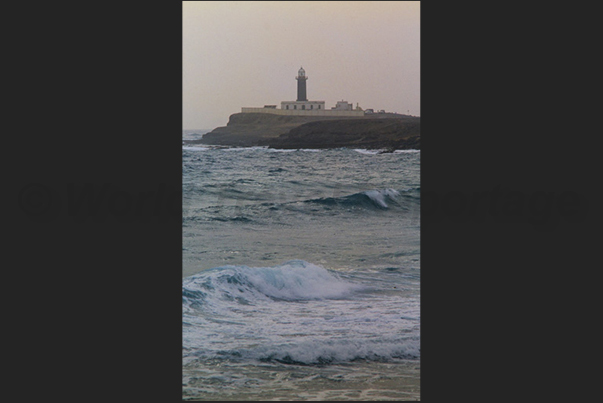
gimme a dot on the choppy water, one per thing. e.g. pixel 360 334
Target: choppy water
pixel 301 274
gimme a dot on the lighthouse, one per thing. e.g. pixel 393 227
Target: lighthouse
pixel 302 103
pixel 303 107
pixel 301 85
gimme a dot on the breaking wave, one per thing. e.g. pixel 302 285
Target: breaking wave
pixel 377 198
pixel 294 280
pixel 294 313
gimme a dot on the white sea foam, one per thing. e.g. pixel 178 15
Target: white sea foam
pixel 298 280
pixel 380 151
pixel 296 312
pixel 378 196
pixel 368 152
pixel 242 322
pixel 190 148
pixel 341 350
pixel 278 150
pixel 406 151
pixel 246 148
pixel 293 280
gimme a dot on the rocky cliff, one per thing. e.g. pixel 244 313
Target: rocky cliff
pixel 387 133
pixel 390 131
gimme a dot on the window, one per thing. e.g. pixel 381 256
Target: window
pixel 294 106
pixel 303 106
pixel 311 106
pixel 318 106
pixel 287 106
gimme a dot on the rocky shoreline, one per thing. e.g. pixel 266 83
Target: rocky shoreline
pixel 380 131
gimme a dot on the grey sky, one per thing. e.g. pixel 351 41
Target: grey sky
pixel 247 53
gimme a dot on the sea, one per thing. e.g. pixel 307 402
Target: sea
pixel 301 274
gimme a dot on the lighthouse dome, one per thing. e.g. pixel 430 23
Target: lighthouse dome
pixel 301 72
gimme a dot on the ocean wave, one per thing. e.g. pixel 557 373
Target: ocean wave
pixel 384 151
pixel 290 150
pixel 253 208
pixel 323 352
pixel 336 351
pixel 376 198
pixel 253 148
pixel 279 150
pixel 295 313
pixel 320 351
pixel 293 280
pixel 368 152
pixel 231 219
pixel 190 148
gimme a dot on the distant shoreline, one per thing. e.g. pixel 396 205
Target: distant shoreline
pixel 380 131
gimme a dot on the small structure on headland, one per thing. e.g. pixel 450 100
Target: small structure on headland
pixel 303 107
pixel 342 106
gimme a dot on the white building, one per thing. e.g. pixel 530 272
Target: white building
pixel 343 106
pixel 303 107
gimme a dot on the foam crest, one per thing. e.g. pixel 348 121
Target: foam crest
pixel 370 198
pixel 368 152
pixel 298 279
pixel 279 150
pixel 412 151
pixel 384 151
pixel 189 148
pixel 293 280
pixel 334 351
pixel 254 148
pixel 379 196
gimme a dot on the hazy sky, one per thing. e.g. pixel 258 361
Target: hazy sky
pixel 247 54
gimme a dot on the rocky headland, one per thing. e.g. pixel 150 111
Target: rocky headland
pixel 388 131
